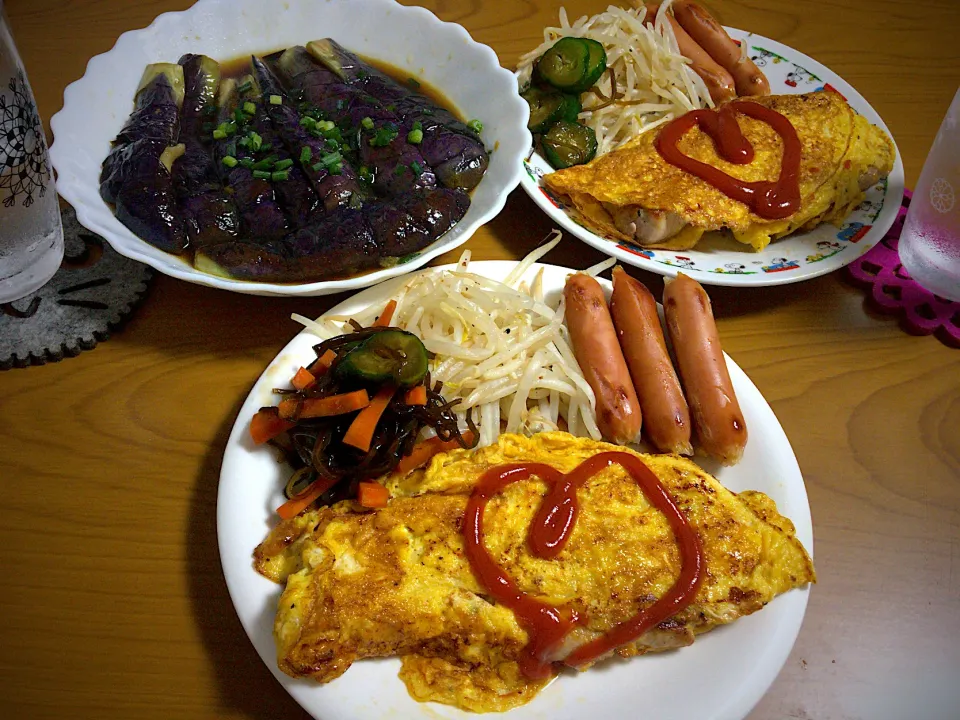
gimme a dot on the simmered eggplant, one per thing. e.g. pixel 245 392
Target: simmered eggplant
pixel 253 194
pixel 454 151
pixel 133 176
pixel 209 215
pixel 344 242
pixel 394 163
pixel 313 147
pixel 302 170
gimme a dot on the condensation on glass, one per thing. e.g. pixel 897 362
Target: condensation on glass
pixel 31 236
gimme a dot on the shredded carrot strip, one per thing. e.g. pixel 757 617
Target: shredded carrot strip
pixel 372 494
pixel 322 363
pixel 325 406
pixel 416 396
pixel 361 430
pixel 303 379
pixel 266 424
pixel 426 449
pixel 297 504
pixel 387 315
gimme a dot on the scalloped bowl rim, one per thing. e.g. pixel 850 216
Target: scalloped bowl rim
pixel 71 158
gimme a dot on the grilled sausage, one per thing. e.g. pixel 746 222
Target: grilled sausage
pixel 718 81
pixel 706 32
pixel 721 430
pixel 666 417
pixel 598 353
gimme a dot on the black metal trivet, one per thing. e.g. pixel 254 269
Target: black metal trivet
pixel 95 290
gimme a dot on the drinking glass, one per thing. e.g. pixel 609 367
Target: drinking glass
pixel 930 241
pixel 31 237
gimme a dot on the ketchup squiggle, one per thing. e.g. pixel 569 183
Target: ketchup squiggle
pixel 549 533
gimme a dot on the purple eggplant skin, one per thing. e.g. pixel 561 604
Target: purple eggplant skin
pixel 133 177
pixel 343 243
pixel 333 189
pixel 454 151
pixel 201 80
pixel 141 189
pixel 209 215
pixel 295 194
pixel 260 215
pixel 156 114
pixel 396 164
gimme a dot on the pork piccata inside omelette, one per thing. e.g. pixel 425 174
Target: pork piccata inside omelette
pixel 396 581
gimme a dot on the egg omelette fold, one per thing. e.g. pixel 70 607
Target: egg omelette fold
pixel 633 194
pixel 395 581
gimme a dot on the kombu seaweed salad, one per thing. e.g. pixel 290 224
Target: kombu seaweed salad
pixel 312 165
pixel 355 414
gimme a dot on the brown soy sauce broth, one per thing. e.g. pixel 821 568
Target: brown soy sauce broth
pixel 239 68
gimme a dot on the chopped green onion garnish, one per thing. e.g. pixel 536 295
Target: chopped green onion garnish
pixel 417 170
pixel 384 135
pixel 255 141
pixel 276 100
pixel 415 137
pixel 230 161
pixel 308 122
pixel 246 163
pixel 239 117
pixel 418 125
pixel 283 164
pixel 229 127
pixel 261 174
pixel 336 169
pixel 245 87
pixel 331 144
pixel 365 174
pixel 367 123
pixel 279 175
pixel 219 134
pixel 266 146
pixel 326 125
pixel 398 170
pixel 306 154
pixel 249 108
pixel 475 125
pixel 266 163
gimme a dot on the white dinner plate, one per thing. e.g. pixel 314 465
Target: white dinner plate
pixel 720 677
pixel 721 260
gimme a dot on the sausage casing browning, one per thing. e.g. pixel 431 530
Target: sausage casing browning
pixel 717 417
pixel 666 417
pixel 598 352
pixel 706 32
pixel 719 82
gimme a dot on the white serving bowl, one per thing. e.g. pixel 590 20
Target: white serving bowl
pixel 410 38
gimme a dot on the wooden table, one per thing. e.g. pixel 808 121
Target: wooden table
pixel 111 593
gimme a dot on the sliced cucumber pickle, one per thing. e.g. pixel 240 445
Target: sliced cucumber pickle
pixel 566 64
pixel 393 356
pixel 571 107
pixel 568 143
pixel 545 108
pixel 596 66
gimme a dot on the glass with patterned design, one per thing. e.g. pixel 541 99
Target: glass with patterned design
pixel 31 237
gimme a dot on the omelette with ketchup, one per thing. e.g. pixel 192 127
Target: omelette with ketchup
pixel 656 552
pixel 640 194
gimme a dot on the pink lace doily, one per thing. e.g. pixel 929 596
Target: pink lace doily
pixel 893 291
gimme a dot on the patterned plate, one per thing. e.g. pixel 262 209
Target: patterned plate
pixel 723 261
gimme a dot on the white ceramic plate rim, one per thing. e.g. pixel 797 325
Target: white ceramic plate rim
pixel 892 197
pixel 251 486
pixel 77 158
